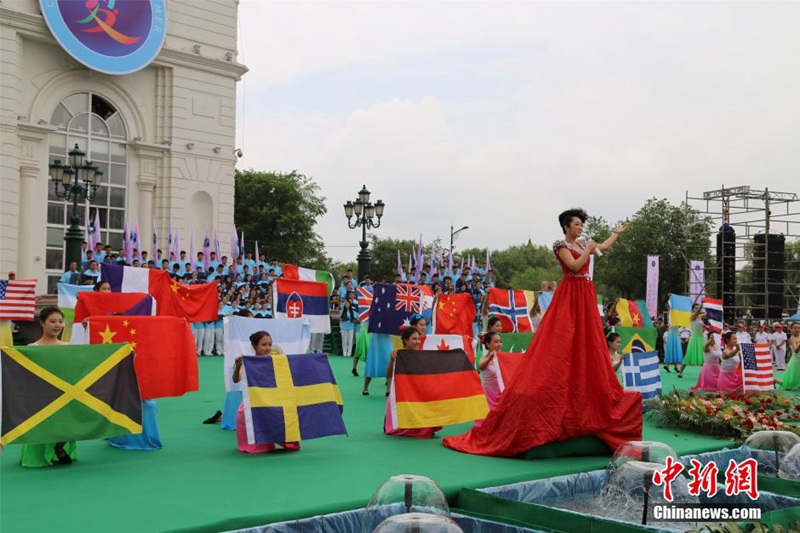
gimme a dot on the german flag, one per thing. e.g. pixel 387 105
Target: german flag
pixel 435 388
pixel 64 393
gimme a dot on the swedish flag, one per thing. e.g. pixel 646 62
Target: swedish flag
pixel 289 398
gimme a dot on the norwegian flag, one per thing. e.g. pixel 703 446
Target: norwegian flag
pixel 408 299
pixel 364 302
pixel 713 310
pixel 17 299
pixel 511 307
pixel 757 367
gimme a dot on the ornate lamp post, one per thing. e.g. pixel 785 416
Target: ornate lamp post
pixel 77 180
pixel 453 234
pixel 366 214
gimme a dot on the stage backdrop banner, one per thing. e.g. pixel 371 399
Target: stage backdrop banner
pixel 697 281
pixel 289 335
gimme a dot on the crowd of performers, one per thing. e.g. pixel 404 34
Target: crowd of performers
pixel 565 386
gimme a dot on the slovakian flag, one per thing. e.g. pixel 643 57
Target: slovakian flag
pixel 63 393
pixel 454 313
pixel 364 302
pixel 303 299
pixel 505 365
pixel 289 398
pixel 166 356
pixel 757 367
pixel 196 303
pixel 432 389
pixel 92 303
pixel 445 343
pixel 511 307
pixel 713 310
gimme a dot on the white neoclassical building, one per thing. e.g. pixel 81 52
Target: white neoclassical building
pixel 163 135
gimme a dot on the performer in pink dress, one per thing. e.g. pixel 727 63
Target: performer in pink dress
pixel 730 375
pixel 410 340
pixel 262 345
pixel 709 374
pixel 492 343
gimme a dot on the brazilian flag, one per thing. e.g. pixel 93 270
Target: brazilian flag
pixel 65 393
pixel 637 340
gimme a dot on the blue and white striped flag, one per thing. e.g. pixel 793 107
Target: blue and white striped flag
pixel 640 373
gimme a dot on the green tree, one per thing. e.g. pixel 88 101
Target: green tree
pixel 658 228
pixel 280 211
pixel 524 266
pixel 384 255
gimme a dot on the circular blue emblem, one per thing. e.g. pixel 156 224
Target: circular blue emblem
pixel 111 36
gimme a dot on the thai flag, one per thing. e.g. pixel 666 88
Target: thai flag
pixel 713 310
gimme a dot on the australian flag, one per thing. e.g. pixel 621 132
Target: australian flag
pixel 640 373
pixel 392 308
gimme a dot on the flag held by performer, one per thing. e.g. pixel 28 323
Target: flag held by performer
pixel 631 314
pixel 640 373
pixel 445 343
pixel 63 393
pixel 516 342
pixel 435 389
pixel 309 274
pixel 511 307
pixel 392 307
pixel 92 303
pixel 757 367
pixel 637 339
pixel 505 367
pixel 680 311
pixel 713 309
pixel 364 303
pixel 17 299
pixel 166 356
pixel 289 398
pixel 303 299
pixel 455 314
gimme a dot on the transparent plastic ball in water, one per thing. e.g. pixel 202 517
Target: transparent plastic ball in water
pixel 642 450
pixel 790 466
pixel 418 523
pixel 403 494
pixel 769 448
pixel 630 482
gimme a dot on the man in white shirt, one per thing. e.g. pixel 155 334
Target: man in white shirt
pixel 742 335
pixel 763 336
pixel 779 347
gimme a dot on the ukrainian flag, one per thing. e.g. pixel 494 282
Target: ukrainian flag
pixel 680 311
pixel 289 398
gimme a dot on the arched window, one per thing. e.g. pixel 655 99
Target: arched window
pixel 97 127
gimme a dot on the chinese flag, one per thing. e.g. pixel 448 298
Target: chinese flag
pixel 166 358
pixel 197 303
pixel 454 314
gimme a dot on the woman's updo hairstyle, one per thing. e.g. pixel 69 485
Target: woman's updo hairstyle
pixel 487 338
pixel 565 218
pixel 256 337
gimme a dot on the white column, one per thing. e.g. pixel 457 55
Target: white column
pixel 146 187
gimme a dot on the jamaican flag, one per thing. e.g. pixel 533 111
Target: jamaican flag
pixel 637 340
pixel 63 393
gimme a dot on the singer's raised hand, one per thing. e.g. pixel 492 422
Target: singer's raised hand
pixel 622 228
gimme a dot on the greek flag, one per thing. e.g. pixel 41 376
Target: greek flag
pixel 640 373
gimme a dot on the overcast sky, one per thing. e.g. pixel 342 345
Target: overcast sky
pixel 499 115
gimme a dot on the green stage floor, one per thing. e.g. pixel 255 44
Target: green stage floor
pixel 200 482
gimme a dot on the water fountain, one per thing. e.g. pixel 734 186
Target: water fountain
pixel 768 448
pixel 418 523
pixel 404 494
pixel 790 467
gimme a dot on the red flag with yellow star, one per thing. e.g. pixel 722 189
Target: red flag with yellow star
pixel 196 303
pixel 629 313
pixel 454 314
pixel 166 358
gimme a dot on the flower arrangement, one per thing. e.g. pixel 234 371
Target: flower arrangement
pixel 734 416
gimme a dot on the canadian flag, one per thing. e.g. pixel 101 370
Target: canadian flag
pixel 448 342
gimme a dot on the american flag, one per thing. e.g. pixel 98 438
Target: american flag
pixel 17 299
pixel 364 302
pixel 757 367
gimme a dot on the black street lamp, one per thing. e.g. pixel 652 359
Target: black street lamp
pixel 453 234
pixel 365 213
pixel 77 180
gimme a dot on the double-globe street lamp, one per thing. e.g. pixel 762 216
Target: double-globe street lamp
pixel 368 216
pixel 77 180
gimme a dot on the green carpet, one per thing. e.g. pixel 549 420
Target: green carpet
pixel 200 482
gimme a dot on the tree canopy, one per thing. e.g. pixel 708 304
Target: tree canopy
pixel 280 211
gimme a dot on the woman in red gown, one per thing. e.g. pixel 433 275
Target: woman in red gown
pixel 565 387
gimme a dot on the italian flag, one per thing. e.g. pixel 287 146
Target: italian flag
pixel 309 274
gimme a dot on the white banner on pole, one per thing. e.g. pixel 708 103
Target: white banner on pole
pixel 697 281
pixel 652 285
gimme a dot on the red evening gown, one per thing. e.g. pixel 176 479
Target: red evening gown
pixel 565 387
